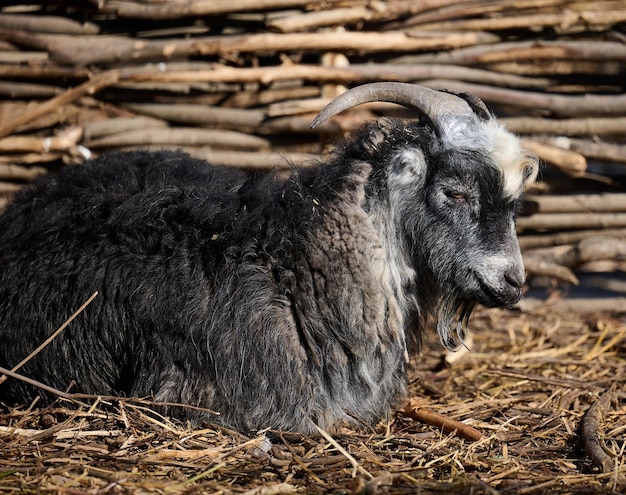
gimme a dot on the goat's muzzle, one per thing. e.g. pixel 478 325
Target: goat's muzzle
pixel 499 283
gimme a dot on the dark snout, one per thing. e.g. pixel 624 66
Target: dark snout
pixel 516 278
pixel 501 277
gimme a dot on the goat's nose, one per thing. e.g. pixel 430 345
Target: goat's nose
pixel 515 277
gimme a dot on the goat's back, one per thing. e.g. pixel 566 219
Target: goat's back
pixel 132 216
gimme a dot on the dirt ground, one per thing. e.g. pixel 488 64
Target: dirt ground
pixel 530 385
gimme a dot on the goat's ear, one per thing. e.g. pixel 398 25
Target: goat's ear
pixel 530 169
pixel 408 166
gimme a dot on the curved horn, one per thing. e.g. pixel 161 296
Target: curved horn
pixel 426 101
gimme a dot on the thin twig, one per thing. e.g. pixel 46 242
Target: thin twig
pixel 89 87
pixel 355 464
pixel 590 433
pixel 53 336
pixel 76 397
pixel 38 384
pixel 440 421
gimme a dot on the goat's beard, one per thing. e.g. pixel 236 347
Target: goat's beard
pixel 452 318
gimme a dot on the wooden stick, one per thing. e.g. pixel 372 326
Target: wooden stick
pixel 46 24
pixel 569 162
pixel 387 10
pixel 68 139
pixel 538 266
pixel 177 10
pixel 592 50
pixel 316 19
pixel 255 160
pixel 110 49
pixel 183 136
pixel 384 11
pixel 91 86
pixel 606 266
pixel 194 114
pixel 465 10
pixel 562 238
pixel 590 426
pixel 8 188
pixel 567 68
pixel 28 91
pixel 100 49
pixel 21 58
pixel 576 203
pixel 9 168
pixel 592 149
pixel 414 411
pixel 294 107
pixel 597 248
pixel 43 71
pixel 301 124
pixel 566 127
pixel 100 128
pixel 558 221
pixel 558 50
pixel 10 171
pixel 245 99
pixel 576 305
pixel 351 74
pixel 561 20
pixel 260 160
pixel 561 105
pixel 359 41
pixel 558 262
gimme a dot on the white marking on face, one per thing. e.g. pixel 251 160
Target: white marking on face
pixel 493 267
pixel 518 167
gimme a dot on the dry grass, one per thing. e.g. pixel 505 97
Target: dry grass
pixel 526 386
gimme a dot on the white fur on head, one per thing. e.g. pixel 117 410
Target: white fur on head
pixel 517 166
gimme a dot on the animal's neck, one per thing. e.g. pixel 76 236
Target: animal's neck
pixel 399 272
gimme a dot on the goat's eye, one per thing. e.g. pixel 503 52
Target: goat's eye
pixel 456 195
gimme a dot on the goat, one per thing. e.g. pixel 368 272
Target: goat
pixel 278 303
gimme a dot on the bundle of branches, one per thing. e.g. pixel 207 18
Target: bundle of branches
pixel 238 82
